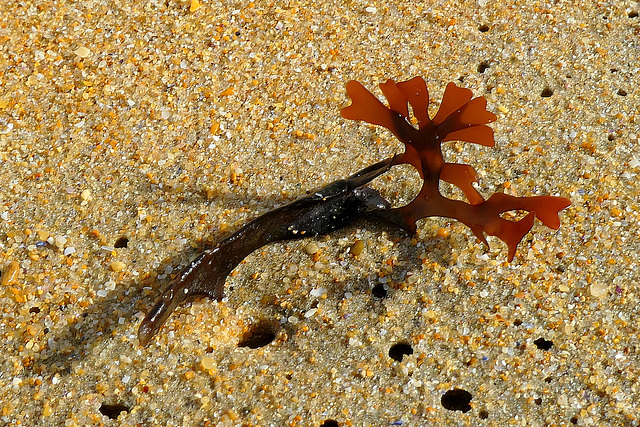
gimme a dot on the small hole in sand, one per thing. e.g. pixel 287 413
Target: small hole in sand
pixel 380 291
pixel 259 335
pixel 456 400
pixel 398 351
pixel 113 411
pixel 543 344
pixel 122 242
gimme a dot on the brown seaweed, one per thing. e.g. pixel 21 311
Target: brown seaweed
pixel 328 209
pixel 460 118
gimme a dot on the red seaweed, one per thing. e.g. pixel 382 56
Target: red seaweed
pixel 460 118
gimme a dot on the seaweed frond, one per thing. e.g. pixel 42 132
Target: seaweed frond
pixel 459 118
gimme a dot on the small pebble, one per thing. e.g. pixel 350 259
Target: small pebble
pixel 563 400
pixel 46 409
pixel 317 292
pixel 311 248
pixel 60 241
pixel 82 52
pixel 207 363
pixel 598 290
pixel 443 232
pixel 117 266
pixel 10 274
pixel 357 247
pixel 228 91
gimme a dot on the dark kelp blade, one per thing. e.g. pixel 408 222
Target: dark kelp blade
pixel 330 208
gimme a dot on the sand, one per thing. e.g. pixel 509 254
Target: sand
pixel 133 135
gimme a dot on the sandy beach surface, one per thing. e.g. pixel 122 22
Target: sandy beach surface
pixel 133 135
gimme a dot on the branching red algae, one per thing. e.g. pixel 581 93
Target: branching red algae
pixel 460 118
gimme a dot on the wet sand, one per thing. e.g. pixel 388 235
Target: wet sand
pixel 132 136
